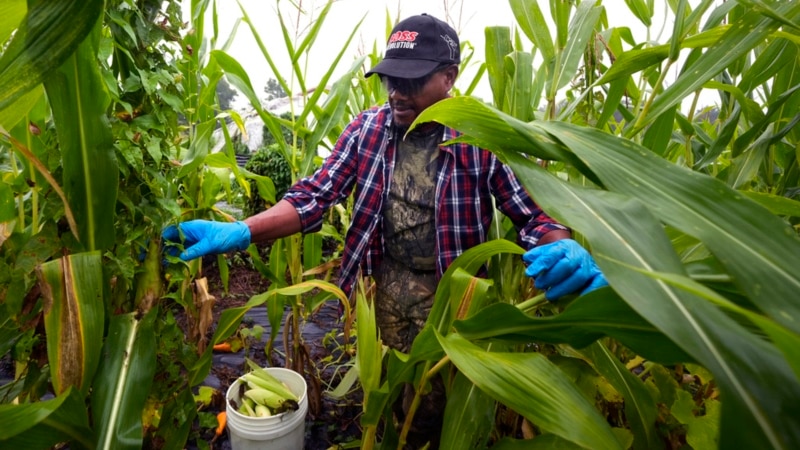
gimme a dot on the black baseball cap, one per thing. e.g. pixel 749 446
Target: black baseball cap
pixel 417 46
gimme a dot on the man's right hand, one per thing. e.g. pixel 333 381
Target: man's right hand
pixel 204 237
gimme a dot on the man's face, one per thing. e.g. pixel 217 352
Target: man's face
pixel 409 97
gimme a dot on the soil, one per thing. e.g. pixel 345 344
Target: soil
pixel 330 422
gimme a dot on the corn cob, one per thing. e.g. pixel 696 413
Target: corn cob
pixel 254 380
pixel 265 397
pixel 246 409
pixel 262 411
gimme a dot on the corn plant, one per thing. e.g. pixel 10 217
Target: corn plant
pixel 90 117
pixel 314 122
pixel 691 218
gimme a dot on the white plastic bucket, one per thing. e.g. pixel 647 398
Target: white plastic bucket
pixel 283 431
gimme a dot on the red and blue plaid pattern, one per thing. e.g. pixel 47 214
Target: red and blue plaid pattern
pixel 361 163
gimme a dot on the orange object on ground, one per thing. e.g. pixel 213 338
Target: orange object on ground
pixel 221 419
pixel 223 347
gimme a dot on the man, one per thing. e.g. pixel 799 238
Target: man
pixel 418 205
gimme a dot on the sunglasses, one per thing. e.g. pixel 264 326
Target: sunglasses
pixel 409 86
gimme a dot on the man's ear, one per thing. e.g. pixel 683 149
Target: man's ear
pixel 451 73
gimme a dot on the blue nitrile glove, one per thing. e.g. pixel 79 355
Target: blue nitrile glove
pixel 563 267
pixel 205 237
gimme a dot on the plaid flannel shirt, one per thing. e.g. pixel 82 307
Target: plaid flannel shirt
pixel 363 159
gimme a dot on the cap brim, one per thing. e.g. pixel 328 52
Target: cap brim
pixel 404 68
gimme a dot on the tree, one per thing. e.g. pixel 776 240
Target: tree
pixel 274 89
pixel 226 94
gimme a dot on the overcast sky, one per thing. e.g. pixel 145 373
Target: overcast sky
pixel 468 17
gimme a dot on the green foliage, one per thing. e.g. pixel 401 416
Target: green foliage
pixel 271 163
pixel 691 212
pixel 112 143
pixel 662 198
pixel 287 134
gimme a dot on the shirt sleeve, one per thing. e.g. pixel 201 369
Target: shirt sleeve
pixel 330 184
pixel 530 220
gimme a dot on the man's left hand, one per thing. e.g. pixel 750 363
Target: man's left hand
pixel 563 267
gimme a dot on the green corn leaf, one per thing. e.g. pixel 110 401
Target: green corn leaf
pixel 224 271
pixel 746 165
pixel 755 247
pixel 736 357
pixel 616 91
pixel 262 267
pixel 469 413
pixel 560 11
pixel 531 385
pixel 123 384
pixel 198 148
pixel 498 45
pixel 312 250
pixel 11 14
pixel 17 111
pixel 74 314
pixel 725 136
pixel 761 7
pixel 699 205
pixel 368 356
pixel 47 423
pixel 686 21
pixel 402 366
pixel 48 34
pixel 691 24
pixel 469 261
pixel 7 204
pixel 657 136
pixel 485 129
pixel 640 406
pixel 519 66
pixel 468 417
pixel 757 129
pixel 581 30
pixel 278 261
pixel 778 205
pixel 332 112
pixel 678 30
pixel 298 289
pixel 280 78
pixel 531 20
pixel 315 96
pixel 237 76
pixel 742 36
pixel 637 60
pixel 768 63
pixel 79 104
pixel 585 320
pixel 275 300
pixel 642 12
pixel 313 32
pixel 719 15
pixel 290 50
pixel 786 341
pixel 542 442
